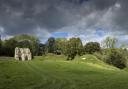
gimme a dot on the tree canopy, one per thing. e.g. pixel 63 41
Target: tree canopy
pixel 92 47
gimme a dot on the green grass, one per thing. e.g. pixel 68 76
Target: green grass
pixel 54 72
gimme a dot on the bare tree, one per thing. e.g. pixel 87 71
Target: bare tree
pixel 109 42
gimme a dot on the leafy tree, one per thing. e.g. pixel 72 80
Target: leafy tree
pixel 80 48
pixel 42 49
pixel 109 42
pixel 29 41
pixel 74 47
pixel 61 45
pixel 9 47
pixel 24 44
pixel 92 47
pixel 25 41
pixel 51 45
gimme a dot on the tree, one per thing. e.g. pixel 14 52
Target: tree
pixel 80 48
pixel 61 45
pixel 24 41
pixel 51 45
pixel 109 42
pixel 42 49
pixel 92 47
pixel 9 47
pixel 24 44
pixel 29 41
pixel 74 47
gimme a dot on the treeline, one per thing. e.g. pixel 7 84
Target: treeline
pixel 24 41
pixel 68 47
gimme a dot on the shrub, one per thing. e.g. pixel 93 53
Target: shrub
pixel 116 58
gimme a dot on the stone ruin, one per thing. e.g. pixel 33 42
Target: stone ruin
pixel 23 54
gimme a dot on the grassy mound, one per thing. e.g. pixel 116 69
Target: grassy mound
pixel 54 72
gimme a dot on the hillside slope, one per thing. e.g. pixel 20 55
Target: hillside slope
pixel 54 72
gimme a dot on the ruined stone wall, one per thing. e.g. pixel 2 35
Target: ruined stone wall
pixel 23 54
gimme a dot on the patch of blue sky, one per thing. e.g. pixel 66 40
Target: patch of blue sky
pixel 100 32
pixel 59 35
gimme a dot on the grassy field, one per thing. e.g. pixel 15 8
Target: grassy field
pixel 54 72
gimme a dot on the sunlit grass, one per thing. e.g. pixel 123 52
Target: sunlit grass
pixel 55 72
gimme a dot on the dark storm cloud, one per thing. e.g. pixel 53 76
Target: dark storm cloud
pixel 25 16
pixel 120 18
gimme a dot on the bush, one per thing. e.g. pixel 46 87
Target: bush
pixel 115 57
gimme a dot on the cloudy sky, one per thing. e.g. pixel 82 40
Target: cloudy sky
pixel 91 20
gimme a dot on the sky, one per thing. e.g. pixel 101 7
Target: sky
pixel 91 20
